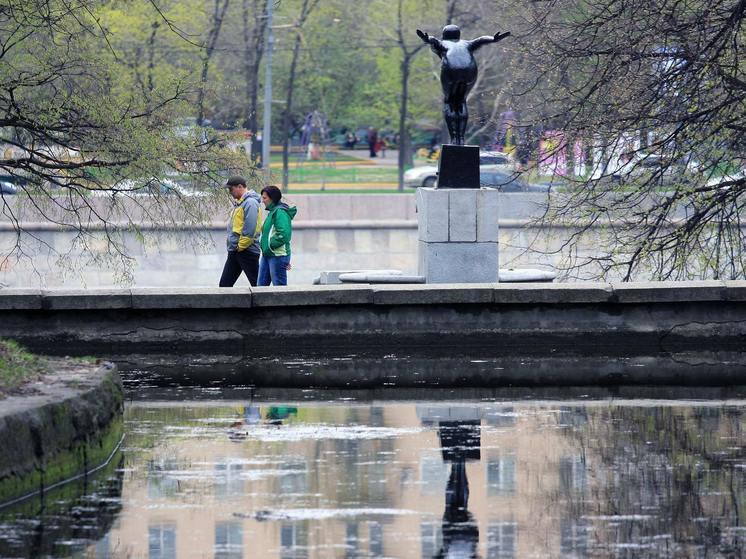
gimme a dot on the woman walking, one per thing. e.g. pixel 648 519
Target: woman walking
pixel 276 234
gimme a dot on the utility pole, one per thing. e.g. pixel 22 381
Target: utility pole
pixel 266 140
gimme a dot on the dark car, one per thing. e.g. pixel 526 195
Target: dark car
pixel 510 182
pixel 7 187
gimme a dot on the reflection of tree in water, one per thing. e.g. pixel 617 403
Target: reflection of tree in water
pixel 675 477
pixel 81 512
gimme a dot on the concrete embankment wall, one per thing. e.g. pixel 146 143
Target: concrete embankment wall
pixel 69 427
pixel 330 232
pixel 503 319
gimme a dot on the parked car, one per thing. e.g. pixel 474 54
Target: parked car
pixel 728 179
pixel 148 187
pixel 427 175
pixel 7 187
pixel 641 164
pixel 511 182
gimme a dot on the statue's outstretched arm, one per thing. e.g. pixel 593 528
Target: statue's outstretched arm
pixel 474 44
pixel 434 43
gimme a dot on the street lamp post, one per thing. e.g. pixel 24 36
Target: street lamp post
pixel 266 139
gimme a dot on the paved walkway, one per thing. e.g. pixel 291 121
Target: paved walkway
pixel 388 159
pixel 334 186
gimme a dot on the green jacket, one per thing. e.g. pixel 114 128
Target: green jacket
pixel 278 230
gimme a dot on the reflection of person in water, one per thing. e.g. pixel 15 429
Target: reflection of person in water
pixel 459 441
pixel 276 414
pixel 252 416
pixel 238 431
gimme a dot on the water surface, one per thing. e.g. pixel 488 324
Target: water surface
pixel 314 477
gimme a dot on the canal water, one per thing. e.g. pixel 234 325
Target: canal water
pixel 209 472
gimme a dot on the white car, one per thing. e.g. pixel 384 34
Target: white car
pixel 148 187
pixel 729 178
pixel 427 175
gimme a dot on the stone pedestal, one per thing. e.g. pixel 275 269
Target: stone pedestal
pixel 458 167
pixel 458 234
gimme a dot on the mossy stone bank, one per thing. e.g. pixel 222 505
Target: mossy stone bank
pixel 67 426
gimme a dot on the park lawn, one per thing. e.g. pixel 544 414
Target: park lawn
pixel 316 189
pixel 364 175
pixel 17 366
pixel 296 158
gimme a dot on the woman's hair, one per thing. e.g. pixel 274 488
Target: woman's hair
pixel 273 192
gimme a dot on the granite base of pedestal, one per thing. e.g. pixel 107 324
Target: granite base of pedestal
pixel 458 262
pixel 458 234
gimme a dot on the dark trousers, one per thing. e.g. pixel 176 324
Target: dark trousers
pixel 245 261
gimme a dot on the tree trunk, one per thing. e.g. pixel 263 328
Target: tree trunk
pixel 254 45
pixel 405 156
pixel 287 113
pixel 212 39
pixel 405 153
pixel 151 55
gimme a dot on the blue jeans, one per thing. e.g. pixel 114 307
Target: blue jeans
pixel 273 269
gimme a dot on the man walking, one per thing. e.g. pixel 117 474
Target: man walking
pixel 244 231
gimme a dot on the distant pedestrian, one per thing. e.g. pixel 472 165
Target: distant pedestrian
pixel 372 141
pixel 432 148
pixel 350 140
pixel 244 228
pixel 381 146
pixel 275 241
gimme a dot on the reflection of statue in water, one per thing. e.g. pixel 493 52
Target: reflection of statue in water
pixel 460 443
pixel 458 72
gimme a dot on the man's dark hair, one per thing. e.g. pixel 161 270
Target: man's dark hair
pixel 273 192
pixel 235 181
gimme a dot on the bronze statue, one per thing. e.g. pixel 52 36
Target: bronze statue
pixel 458 72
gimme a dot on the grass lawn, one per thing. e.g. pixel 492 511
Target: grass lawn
pixel 296 158
pixel 362 175
pixel 315 189
pixel 17 366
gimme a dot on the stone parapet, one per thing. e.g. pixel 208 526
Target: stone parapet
pixel 233 298
pixel 575 321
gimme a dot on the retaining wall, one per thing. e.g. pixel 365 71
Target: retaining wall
pixel 504 319
pixel 69 427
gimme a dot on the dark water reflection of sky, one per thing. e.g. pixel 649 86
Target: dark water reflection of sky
pixel 296 479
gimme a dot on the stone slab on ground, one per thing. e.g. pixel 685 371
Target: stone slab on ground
pixel 377 277
pixel 331 277
pixel 523 275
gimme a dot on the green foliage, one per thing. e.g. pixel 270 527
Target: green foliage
pixel 17 365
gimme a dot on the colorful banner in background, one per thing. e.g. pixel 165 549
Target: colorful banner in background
pixel 553 154
pixel 578 159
